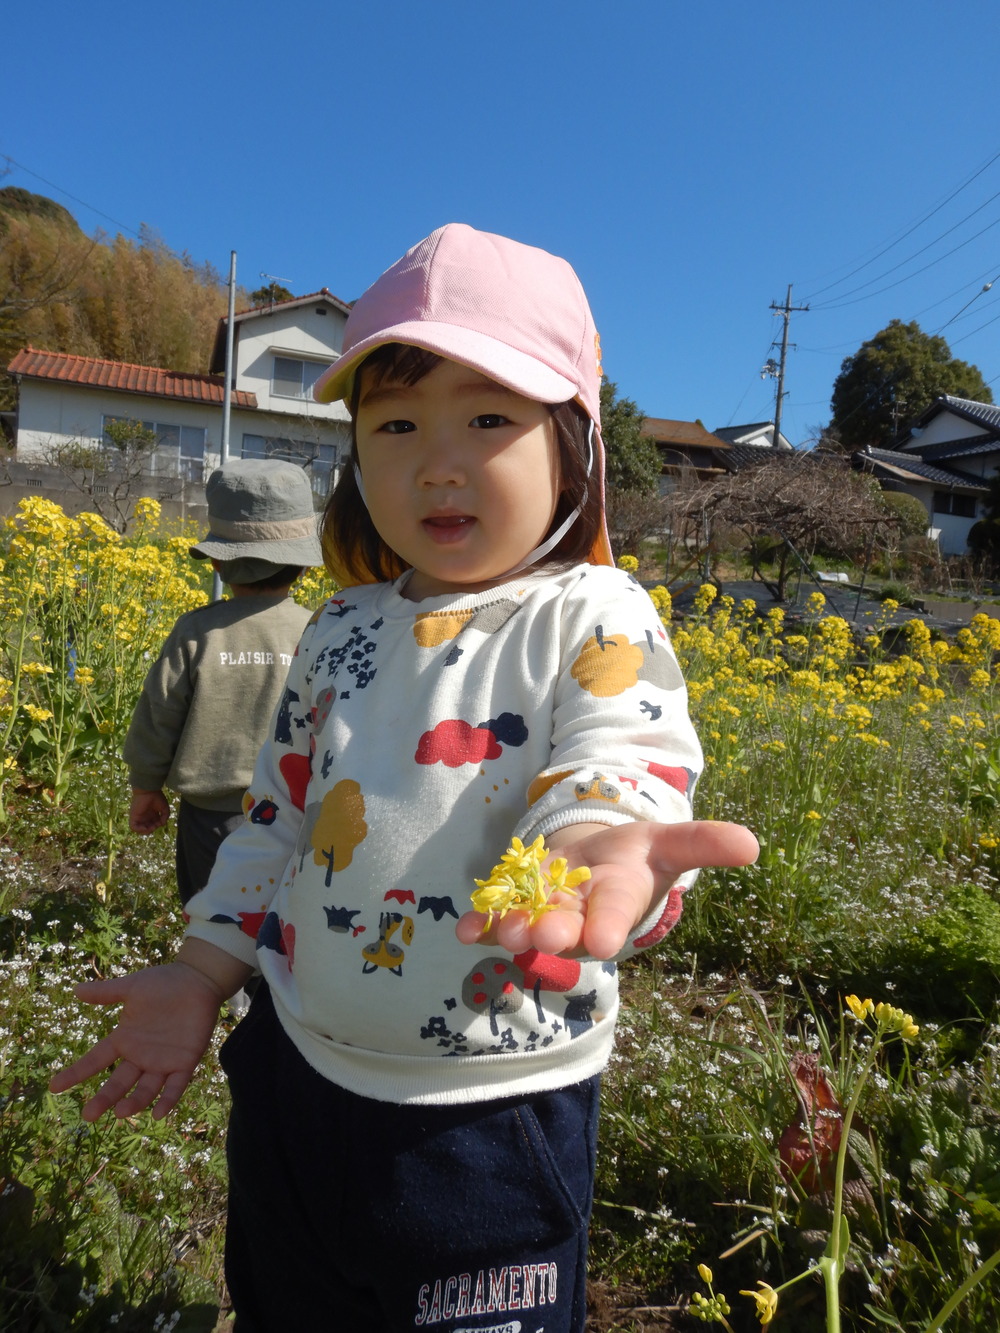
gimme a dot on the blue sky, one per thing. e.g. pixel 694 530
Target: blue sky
pixel 691 160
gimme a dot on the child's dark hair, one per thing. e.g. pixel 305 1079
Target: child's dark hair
pixel 353 549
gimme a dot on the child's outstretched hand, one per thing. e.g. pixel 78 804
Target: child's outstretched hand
pixel 631 865
pixel 163 1030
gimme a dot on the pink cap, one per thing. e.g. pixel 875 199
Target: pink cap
pixel 513 312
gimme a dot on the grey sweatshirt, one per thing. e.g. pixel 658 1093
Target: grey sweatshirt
pixel 207 701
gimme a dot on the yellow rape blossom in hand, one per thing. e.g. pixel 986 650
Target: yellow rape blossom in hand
pixel 518 882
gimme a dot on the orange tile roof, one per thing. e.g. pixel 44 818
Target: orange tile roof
pixel 125 378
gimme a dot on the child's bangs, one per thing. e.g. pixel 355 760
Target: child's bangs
pixel 398 362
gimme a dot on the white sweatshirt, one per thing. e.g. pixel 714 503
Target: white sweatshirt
pixel 413 741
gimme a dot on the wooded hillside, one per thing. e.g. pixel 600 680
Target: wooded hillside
pixel 126 300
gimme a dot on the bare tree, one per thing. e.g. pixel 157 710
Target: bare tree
pixel 797 502
pixel 633 517
pixel 112 473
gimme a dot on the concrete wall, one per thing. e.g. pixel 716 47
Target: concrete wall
pixel 178 500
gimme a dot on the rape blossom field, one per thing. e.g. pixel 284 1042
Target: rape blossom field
pixel 805 1104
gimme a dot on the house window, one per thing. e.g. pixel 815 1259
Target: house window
pixel 951 502
pixel 295 379
pixel 320 460
pixel 179 452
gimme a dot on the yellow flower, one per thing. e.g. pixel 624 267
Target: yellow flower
pixel 705 1273
pixel 629 563
pixel 894 1020
pixel 147 509
pixel 766 1300
pixel 859 1008
pixel 662 600
pixel 37 714
pixel 518 882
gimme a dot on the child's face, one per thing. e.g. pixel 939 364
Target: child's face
pixel 461 476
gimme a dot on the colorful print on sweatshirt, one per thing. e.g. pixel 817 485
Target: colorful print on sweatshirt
pixel 414 739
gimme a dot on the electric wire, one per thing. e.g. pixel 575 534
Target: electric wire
pixel 926 218
pixel 841 305
pixel 838 303
pixel 982 291
pixel 973 332
pixel 107 216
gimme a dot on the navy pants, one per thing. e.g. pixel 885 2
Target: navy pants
pixel 348 1215
pixel 200 834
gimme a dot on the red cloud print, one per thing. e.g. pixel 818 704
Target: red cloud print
pixel 455 743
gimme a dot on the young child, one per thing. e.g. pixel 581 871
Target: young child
pixel 415 1088
pixel 207 702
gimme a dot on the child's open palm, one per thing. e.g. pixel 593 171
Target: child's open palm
pixel 631 866
pixel 163 1030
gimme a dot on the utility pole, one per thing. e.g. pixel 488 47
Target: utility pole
pixel 227 395
pixel 786 313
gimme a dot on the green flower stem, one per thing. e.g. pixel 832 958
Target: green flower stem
pixel 830 1268
pixel 956 1297
pixel 834 1260
pixel 15 689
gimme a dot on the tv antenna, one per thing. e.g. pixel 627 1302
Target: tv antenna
pixel 272 282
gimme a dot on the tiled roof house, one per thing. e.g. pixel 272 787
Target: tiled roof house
pixel 278 352
pixel 688 445
pixel 947 460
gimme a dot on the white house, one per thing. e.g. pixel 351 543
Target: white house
pixel 278 352
pixel 947 461
pixel 756 434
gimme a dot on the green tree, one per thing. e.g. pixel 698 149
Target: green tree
pixel 912 518
pixel 632 459
pixel 274 291
pixel 891 379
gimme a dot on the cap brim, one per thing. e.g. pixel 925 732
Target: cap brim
pixel 304 551
pixel 498 361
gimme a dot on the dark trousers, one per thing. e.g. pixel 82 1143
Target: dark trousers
pixel 200 834
pixel 348 1215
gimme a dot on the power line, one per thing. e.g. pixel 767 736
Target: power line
pixel 955 249
pixel 957 292
pixel 916 254
pixel 909 231
pixel 978 294
pixel 973 332
pixel 753 378
pixel 52 185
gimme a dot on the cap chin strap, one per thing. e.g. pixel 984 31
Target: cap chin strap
pixel 550 542
pixel 533 557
